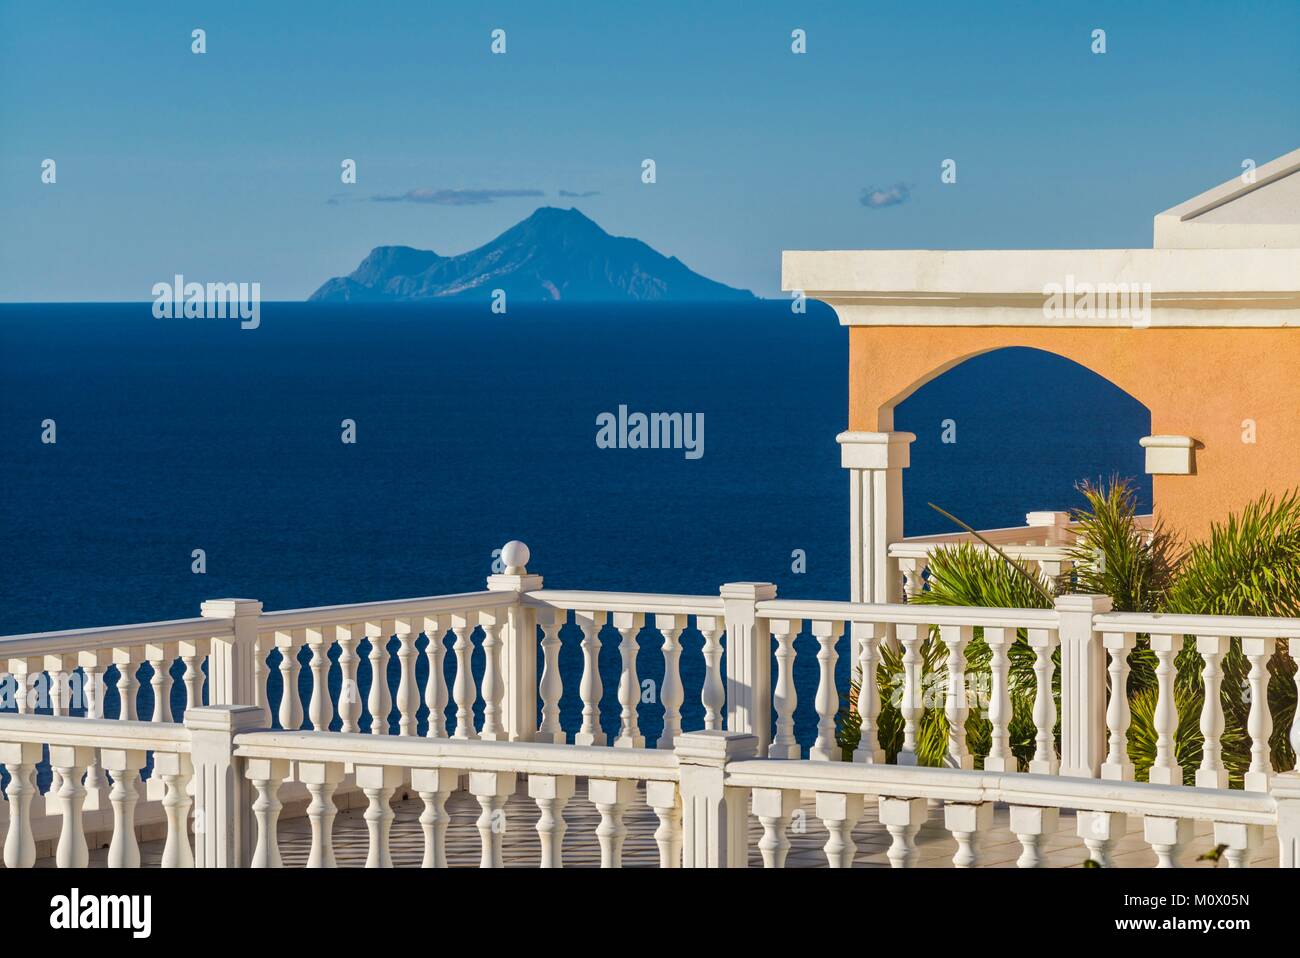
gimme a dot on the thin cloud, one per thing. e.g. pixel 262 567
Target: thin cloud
pixel 452 197
pixel 579 196
pixel 875 198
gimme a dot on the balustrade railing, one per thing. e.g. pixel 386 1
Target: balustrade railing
pixel 490 688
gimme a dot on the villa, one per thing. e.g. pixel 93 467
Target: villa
pixel 1201 328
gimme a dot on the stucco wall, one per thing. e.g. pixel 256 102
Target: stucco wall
pixel 1202 383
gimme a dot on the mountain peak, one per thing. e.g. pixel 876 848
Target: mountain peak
pixel 553 254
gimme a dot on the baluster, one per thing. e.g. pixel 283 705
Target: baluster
pixel 321 779
pixel 611 798
pixel 290 705
pixel 127 662
pixel 318 707
pixel 825 748
pixel 176 771
pixel 590 689
pixel 435 690
pixel 125 765
pixel 379 701
pixel 956 638
pixel 666 801
pixel 349 705
pixel 1117 766
pixel 1100 831
pixel 1045 761
pixel 673 694
pixel 494 688
pixel 58 684
pixel 629 685
pixel 434 785
pixel 1166 770
pixel 552 685
pixel 1242 841
pixel 261 649
pixel 378 782
pixel 910 569
pixel 551 793
pixel 1212 774
pixel 160 659
pixel 713 695
pixel 910 636
pixel 1000 757
pixel 1031 826
pixel 1259 723
pixel 464 690
pixel 92 691
pixel 21 759
pixel 784 696
pixel 773 807
pixel 868 635
pixel 1293 647
pixel 192 658
pixel 968 825
pixel 1168 837
pixel 408 703
pixel 71 762
pixel 23 697
pixel 902 818
pixel 839 813
pixel 492 789
pixel 267 775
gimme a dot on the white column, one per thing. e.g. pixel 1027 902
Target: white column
pixel 773 807
pixel 1044 762
pixel 1242 841
pixel 712 695
pixel 909 705
pixel 492 789
pixel 1000 757
pixel 611 798
pixel 349 705
pixel 666 801
pixel 267 775
pixel 825 748
pixel 494 681
pixel 128 685
pixel 232 657
pixel 629 624
pixel 21 759
pixel 434 785
pixel 867 638
pixel 1032 825
pixel 1117 766
pixel 463 690
pixel 968 825
pixel 1168 838
pixel 672 695
pixel 1100 831
pixel 552 684
pixel 1165 770
pixel 223 822
pixel 378 782
pixel 715 816
pixel 590 688
pixel 1259 723
pixel 875 461
pixel 160 658
pixel 784 696
pixel 1212 774
pixel 379 702
pixel 749 661
pixel 319 710
pixel 551 793
pixel 321 779
pixel 176 771
pixel 290 713
pixel 518 708
pixel 71 762
pixel 839 812
pixel 1083 685
pixel 956 638
pixel 902 818
pixel 435 690
pixel 408 700
pixel 125 765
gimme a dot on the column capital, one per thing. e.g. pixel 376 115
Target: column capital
pixel 875 450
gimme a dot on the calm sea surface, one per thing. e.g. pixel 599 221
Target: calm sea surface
pixel 473 429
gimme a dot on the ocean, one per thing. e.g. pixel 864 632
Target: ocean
pixel 471 429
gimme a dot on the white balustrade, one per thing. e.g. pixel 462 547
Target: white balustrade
pixel 1259 723
pixel 825 748
pixel 784 697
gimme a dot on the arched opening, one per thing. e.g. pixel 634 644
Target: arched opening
pixel 1012 430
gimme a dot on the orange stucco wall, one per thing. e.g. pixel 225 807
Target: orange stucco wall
pixel 1202 383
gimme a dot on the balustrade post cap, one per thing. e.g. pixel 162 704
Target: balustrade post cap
pixel 1083 602
pixel 230 608
pixel 714 748
pixel 224 718
pixel 515 556
pixel 1285 786
pixel 754 591
pixel 875 450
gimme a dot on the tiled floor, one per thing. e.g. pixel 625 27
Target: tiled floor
pixel 807 837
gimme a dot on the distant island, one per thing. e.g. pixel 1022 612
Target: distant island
pixel 553 255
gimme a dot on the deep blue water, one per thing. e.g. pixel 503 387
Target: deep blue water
pixel 473 429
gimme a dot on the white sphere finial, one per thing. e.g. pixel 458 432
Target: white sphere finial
pixel 515 556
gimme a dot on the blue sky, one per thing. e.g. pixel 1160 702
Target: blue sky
pixel 223 166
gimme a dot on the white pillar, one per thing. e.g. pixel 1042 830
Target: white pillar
pixel 1083 685
pixel 223 813
pixel 875 461
pixel 749 661
pixel 231 668
pixel 519 645
pixel 715 815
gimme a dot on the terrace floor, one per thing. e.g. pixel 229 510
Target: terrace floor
pixel 935 845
